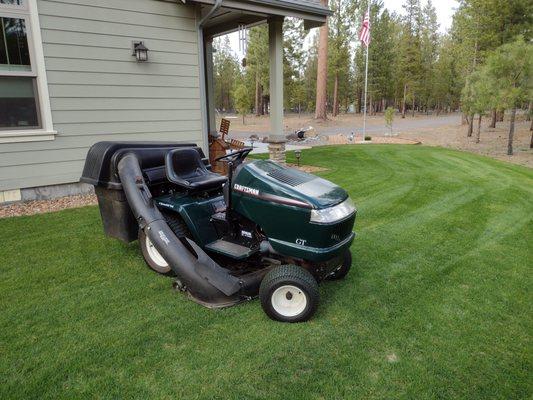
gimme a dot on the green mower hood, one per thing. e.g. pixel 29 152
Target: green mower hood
pixel 302 215
pixel 271 181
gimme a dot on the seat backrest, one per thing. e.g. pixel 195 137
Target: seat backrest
pixel 184 163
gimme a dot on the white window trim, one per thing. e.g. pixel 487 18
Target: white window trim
pixel 35 43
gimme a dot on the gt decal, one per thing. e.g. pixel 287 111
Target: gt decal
pixel 301 242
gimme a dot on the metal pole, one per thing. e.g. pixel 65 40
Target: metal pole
pixel 366 79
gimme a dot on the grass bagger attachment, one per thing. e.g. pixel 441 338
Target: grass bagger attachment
pixel 264 230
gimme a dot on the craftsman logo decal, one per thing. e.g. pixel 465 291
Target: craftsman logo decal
pixel 164 237
pixel 166 205
pixel 246 189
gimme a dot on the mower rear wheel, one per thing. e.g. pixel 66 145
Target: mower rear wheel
pixel 151 255
pixel 344 268
pixel 289 293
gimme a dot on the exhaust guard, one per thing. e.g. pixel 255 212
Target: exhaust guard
pixel 206 282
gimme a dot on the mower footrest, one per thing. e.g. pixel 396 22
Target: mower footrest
pixel 230 249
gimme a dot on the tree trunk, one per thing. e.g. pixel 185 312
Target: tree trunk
pixel 464 119
pixel 493 120
pixel 257 94
pixel 478 133
pixel 322 73
pixel 336 95
pixel 529 111
pixel 470 119
pixel 413 114
pixel 511 133
pixel 243 118
pixel 531 143
pixel 404 105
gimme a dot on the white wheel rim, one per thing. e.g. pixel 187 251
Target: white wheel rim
pixel 289 300
pixel 155 256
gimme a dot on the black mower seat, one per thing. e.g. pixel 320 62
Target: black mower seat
pixel 184 167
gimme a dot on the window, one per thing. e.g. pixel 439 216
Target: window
pixel 18 97
pixel 14 50
pixel 24 103
pixel 14 3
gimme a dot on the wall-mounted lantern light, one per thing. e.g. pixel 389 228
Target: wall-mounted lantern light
pixel 140 51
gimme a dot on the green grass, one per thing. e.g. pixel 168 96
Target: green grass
pixel 438 304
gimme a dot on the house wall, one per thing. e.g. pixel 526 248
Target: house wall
pixel 99 92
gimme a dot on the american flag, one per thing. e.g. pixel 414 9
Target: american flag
pixel 364 35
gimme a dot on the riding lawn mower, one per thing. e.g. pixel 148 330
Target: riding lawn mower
pixel 264 230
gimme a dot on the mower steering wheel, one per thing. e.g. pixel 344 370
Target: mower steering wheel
pixel 235 156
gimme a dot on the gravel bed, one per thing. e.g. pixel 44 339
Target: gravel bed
pixel 44 206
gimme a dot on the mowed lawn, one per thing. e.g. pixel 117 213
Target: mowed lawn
pixel 437 306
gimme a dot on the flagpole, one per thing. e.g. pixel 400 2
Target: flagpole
pixel 366 79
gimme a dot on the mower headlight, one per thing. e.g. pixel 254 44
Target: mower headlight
pixel 333 214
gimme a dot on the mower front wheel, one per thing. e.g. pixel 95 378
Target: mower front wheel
pixel 289 294
pixel 343 269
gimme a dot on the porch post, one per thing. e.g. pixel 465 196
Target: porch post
pixel 276 139
pixel 210 89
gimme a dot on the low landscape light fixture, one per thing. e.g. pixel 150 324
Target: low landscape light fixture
pixel 140 51
pixel 298 154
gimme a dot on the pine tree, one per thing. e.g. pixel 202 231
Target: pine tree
pixel 341 33
pixel 382 58
pixel 410 54
pixel 429 41
pixel 227 73
pixel 257 69
pixel 508 71
pixel 293 62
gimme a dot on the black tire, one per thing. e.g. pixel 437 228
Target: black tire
pixel 279 284
pixel 155 263
pixel 343 269
pixel 176 223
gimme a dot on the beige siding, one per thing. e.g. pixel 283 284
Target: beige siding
pixel 99 92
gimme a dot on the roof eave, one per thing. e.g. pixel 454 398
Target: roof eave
pixel 316 12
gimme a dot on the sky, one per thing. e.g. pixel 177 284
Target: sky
pixel 445 10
